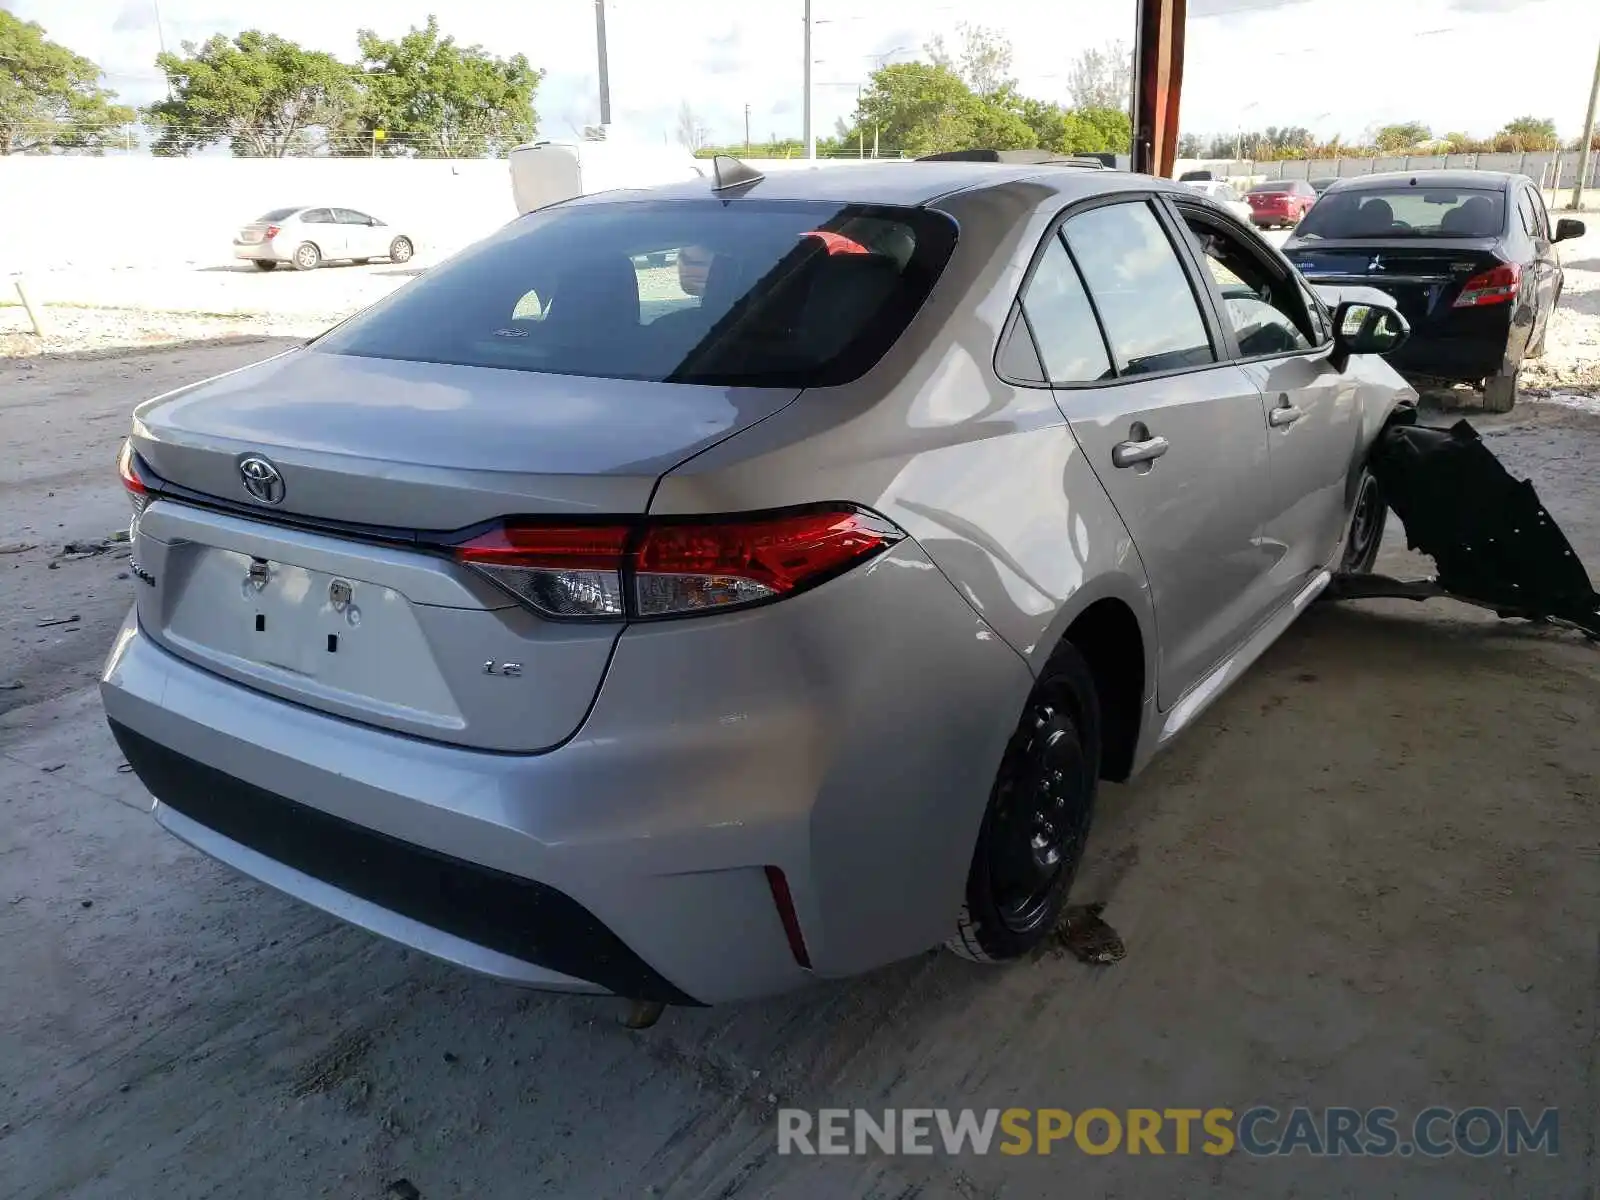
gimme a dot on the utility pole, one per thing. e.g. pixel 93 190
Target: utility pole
pixel 605 74
pixel 1586 147
pixel 747 130
pixel 810 136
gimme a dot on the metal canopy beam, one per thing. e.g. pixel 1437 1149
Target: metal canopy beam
pixel 1157 84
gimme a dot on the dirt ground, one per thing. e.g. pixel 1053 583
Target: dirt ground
pixel 1369 876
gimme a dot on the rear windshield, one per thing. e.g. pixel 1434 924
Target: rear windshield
pixel 748 292
pixel 278 214
pixel 1273 186
pixel 1406 212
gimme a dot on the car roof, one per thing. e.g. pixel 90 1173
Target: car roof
pixel 1489 180
pixel 909 184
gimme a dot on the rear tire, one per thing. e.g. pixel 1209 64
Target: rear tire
pixel 360 262
pixel 307 257
pixel 1500 391
pixel 264 264
pixel 1364 536
pixel 401 250
pixel 1037 824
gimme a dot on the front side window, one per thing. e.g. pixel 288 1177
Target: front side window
pixel 753 293
pixel 1150 313
pixel 1266 310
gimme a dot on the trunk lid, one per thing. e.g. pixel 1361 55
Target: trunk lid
pixel 380 442
pixel 370 622
pixel 1424 278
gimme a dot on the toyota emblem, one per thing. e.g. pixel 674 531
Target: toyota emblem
pixel 261 479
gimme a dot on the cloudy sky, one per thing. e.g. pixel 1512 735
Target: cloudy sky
pixel 1332 65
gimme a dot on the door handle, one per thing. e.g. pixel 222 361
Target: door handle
pixel 1131 454
pixel 1284 415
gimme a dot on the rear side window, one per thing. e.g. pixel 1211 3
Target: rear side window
pixel 1151 316
pixel 753 293
pixel 1530 222
pixel 1063 321
pixel 317 216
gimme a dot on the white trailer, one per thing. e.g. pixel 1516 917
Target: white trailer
pixel 546 172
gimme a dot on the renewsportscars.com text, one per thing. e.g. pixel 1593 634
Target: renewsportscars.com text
pixel 1261 1131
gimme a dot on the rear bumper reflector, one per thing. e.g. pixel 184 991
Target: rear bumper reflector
pixel 781 897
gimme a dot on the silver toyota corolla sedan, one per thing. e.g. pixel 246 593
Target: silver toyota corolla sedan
pixel 690 635
pixel 307 237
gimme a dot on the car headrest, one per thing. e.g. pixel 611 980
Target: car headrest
pixel 1374 216
pixel 596 291
pixel 1475 218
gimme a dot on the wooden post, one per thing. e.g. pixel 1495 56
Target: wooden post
pixel 27 303
pixel 1157 84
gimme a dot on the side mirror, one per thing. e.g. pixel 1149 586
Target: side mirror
pixel 1362 328
pixel 1567 228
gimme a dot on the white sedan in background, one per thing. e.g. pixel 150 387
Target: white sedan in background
pixel 308 237
pixel 1223 193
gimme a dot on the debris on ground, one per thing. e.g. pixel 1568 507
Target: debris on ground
pixel 116 543
pixel 402 1189
pixel 60 621
pixel 1085 933
pixel 15 547
pixel 11 685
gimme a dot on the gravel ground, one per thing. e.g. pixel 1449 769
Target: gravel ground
pixel 1366 877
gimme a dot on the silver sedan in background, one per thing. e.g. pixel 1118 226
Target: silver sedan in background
pixel 308 237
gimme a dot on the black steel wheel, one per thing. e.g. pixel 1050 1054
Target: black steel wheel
pixel 1037 824
pixel 1367 520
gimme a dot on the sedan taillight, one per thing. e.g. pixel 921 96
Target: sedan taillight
pixel 270 232
pixel 1495 286
pixel 672 568
pixel 128 471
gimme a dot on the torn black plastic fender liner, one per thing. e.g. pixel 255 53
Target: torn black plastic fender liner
pixel 1492 540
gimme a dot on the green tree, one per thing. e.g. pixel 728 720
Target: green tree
pixel 1397 139
pixel 264 95
pixel 922 108
pixel 1532 133
pixel 51 98
pixel 433 97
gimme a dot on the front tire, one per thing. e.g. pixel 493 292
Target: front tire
pixel 1365 535
pixel 1500 391
pixel 307 257
pixel 1037 824
pixel 401 250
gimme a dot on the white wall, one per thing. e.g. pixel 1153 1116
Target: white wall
pixel 96 212
pixel 124 211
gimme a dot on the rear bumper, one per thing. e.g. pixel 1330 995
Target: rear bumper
pixel 263 251
pixel 848 737
pixel 1463 347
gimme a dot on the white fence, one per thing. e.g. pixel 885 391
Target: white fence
pixel 1549 169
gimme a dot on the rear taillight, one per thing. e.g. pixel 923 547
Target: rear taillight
pixel 127 468
pixel 670 568
pixel 270 232
pixel 1492 287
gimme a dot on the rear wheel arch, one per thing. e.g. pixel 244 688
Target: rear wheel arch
pixel 1110 639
